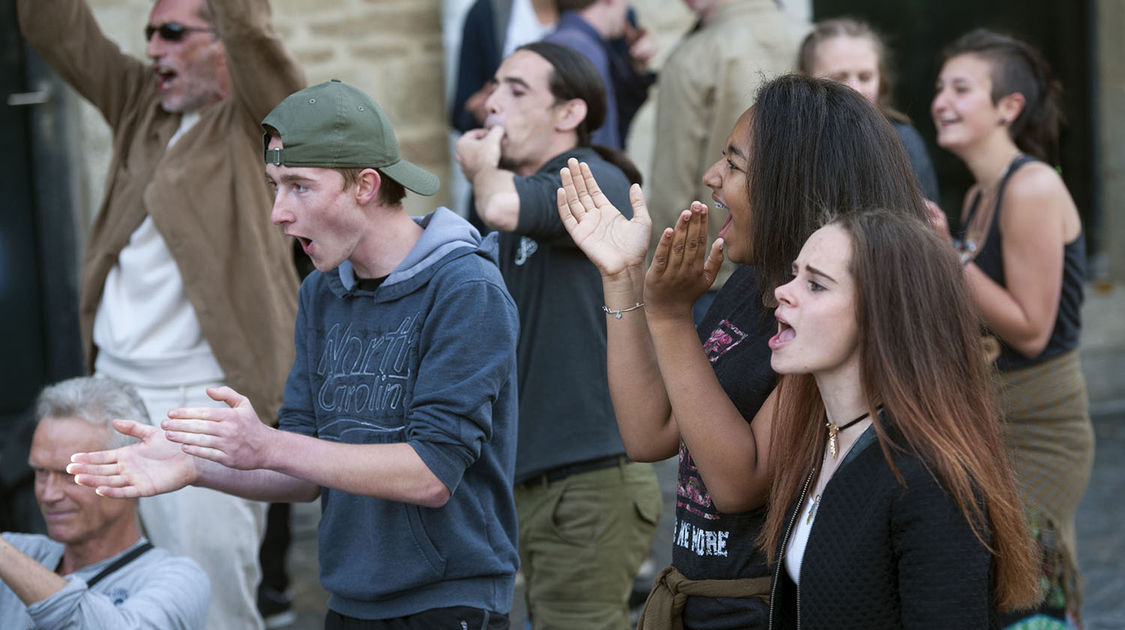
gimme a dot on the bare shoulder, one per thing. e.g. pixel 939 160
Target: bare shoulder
pixel 1036 193
pixel 1039 183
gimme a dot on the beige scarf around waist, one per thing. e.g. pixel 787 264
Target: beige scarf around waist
pixel 670 591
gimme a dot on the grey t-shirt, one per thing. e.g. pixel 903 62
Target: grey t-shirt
pixel 156 591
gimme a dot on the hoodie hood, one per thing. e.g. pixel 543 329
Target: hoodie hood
pixel 446 236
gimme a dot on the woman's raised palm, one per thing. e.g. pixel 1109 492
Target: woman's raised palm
pixel 611 241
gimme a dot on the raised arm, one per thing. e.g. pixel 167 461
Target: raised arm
pixel 731 454
pixel 173 598
pixel 66 35
pixel 1037 219
pixel 617 247
pixel 262 73
pixel 663 386
pixel 494 188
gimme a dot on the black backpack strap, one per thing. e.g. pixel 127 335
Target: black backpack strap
pixel 122 561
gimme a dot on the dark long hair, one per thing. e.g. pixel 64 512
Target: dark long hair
pixel 825 30
pixel 1018 68
pixel 817 149
pixel 574 76
pixel 921 360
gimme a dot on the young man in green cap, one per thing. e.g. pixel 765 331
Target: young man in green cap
pixel 400 408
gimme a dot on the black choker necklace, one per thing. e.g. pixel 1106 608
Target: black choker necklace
pixel 833 430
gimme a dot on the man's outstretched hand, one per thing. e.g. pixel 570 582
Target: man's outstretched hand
pixel 152 466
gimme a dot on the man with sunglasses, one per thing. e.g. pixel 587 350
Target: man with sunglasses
pixel 185 284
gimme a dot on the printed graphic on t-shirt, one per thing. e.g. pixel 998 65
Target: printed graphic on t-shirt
pixel 118 595
pixel 723 338
pixel 703 542
pixel 692 497
pixel 527 247
pixel 691 494
pixel 363 377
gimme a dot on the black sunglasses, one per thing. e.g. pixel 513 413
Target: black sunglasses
pixel 172 32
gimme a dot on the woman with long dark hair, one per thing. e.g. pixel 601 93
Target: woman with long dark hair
pixel 805 147
pixel 894 504
pixel 1021 243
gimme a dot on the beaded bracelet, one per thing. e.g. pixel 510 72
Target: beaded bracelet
pixel 617 313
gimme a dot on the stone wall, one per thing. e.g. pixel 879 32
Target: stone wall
pixel 393 49
pixel 390 48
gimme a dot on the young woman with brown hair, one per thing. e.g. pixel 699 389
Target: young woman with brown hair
pixel 704 393
pixel 1021 243
pixel 894 504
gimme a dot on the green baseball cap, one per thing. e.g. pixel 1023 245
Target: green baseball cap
pixel 334 125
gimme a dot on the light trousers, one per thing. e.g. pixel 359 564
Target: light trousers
pixel 222 533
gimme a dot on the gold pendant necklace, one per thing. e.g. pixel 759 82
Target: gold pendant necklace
pixel 833 430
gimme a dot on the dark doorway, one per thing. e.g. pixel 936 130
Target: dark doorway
pixel 38 260
pixel 917 30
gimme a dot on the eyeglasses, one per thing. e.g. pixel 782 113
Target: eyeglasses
pixel 172 31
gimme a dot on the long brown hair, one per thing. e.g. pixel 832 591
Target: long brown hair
pixel 921 360
pixel 817 148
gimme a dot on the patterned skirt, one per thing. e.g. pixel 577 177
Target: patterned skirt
pixel 1050 439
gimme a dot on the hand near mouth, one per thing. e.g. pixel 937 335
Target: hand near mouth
pixel 478 149
pixel 683 267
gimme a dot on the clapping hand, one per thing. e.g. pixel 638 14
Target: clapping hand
pixel 232 436
pixel 682 266
pixel 612 242
pixel 152 466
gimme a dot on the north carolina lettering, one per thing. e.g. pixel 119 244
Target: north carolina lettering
pixel 361 375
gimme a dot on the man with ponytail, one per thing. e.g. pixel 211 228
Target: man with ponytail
pixel 587 515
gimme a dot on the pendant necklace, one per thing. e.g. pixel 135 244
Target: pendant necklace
pixel 832 448
pixel 833 430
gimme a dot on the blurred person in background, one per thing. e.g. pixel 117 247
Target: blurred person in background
pixel 851 52
pixel 1022 247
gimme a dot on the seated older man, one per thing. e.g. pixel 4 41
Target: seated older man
pixel 94 569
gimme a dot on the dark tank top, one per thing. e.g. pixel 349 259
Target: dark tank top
pixel 1068 322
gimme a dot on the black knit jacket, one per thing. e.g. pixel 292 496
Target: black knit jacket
pixel 881 555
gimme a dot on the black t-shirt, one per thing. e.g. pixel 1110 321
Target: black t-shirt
pixel 707 544
pixel 566 415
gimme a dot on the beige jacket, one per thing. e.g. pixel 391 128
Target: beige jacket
pixel 207 195
pixel 706 83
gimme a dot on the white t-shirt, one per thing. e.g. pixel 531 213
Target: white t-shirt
pixel 145 329
pixel 523 27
